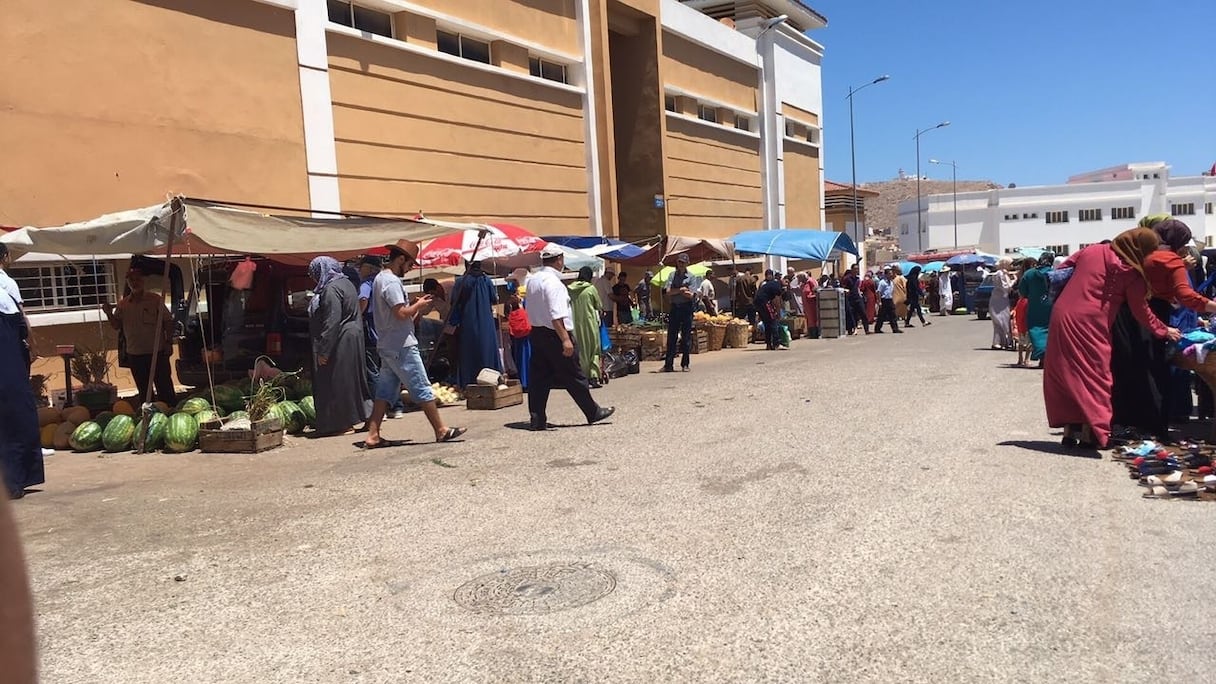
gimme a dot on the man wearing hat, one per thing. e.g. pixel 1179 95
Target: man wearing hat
pixel 679 321
pixel 400 361
pixel 554 362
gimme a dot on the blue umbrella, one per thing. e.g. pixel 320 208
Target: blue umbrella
pixel 971 260
pixel 905 266
pixel 933 266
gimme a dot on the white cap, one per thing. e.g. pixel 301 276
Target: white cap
pixel 551 251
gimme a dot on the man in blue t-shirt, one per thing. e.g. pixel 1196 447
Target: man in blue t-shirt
pixel 369 268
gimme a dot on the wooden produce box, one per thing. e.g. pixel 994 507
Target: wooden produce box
pixel 491 398
pixel 625 337
pixel 654 345
pixel 700 342
pixel 262 435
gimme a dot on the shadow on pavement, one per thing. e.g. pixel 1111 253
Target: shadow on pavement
pixel 1054 448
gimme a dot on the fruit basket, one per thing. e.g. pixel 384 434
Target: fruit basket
pixel 736 334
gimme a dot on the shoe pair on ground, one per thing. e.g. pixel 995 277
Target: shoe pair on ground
pixel 539 424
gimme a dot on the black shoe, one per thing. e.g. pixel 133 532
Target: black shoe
pixel 594 384
pixel 898 332
pixel 927 323
pixel 684 368
pixel 601 414
pixel 667 369
pixel 16 494
pixel 537 423
pixel 909 325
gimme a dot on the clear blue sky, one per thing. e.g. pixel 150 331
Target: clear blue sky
pixel 1035 90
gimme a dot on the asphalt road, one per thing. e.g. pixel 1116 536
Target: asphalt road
pixel 882 508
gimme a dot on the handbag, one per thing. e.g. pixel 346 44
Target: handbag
pixel 518 324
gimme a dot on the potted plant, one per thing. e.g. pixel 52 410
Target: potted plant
pixel 38 385
pixel 90 368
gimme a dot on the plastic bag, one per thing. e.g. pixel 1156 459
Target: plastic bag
pixel 605 340
pixel 785 336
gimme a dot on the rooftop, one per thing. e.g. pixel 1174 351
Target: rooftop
pixel 801 16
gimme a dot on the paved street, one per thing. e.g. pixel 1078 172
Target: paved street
pixel 875 509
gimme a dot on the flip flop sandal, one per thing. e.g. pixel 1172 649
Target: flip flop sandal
pixel 1197 461
pixel 1171 480
pixel 383 444
pixel 1209 483
pixel 1158 468
pixel 1185 489
pixel 451 434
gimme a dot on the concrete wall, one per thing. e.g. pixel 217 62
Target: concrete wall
pixel 713 179
pixel 803 186
pixel 550 23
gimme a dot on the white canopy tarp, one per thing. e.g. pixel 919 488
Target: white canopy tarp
pixel 217 229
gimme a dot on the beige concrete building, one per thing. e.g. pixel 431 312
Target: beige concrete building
pixel 629 118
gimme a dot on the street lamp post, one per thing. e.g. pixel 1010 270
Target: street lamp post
pixel 853 152
pixel 920 241
pixel 954 191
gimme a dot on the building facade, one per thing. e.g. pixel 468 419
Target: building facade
pixel 1063 218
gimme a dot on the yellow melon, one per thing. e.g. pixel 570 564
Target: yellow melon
pixel 47 435
pixel 123 408
pixel 48 415
pixel 62 438
pixel 76 415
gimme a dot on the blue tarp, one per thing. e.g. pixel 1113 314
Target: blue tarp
pixel 816 245
pixel 933 267
pixel 624 250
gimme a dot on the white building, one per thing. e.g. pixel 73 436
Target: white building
pixel 1062 218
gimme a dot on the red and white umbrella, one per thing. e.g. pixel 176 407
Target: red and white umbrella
pixel 497 240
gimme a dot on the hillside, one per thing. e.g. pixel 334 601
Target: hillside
pixel 882 211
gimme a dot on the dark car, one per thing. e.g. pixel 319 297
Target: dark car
pixel 273 322
pixel 981 299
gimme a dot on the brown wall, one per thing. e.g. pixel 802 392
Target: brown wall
pixel 419 133
pixel 111 105
pixel 637 118
pixel 802 198
pixel 713 180
pixel 694 69
pixel 799 115
pixel 550 23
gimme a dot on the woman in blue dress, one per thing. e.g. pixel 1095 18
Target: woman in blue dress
pixel 473 300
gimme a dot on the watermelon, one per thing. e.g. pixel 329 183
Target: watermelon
pixel 309 407
pixel 302 388
pixel 181 432
pixel 229 398
pixel 291 415
pixel 237 415
pixel 193 405
pixel 86 437
pixel 206 416
pixel 118 433
pixel 154 436
pixel 103 418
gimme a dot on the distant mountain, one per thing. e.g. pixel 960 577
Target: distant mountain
pixel 882 212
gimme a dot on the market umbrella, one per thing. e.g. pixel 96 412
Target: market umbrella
pixel 575 259
pixel 1030 252
pixel 933 267
pixel 664 273
pixel 491 240
pixel 905 266
pixel 971 259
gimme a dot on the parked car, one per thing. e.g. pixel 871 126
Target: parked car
pixel 981 299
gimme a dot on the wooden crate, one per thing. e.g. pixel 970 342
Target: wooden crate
pixel 700 342
pixel 264 434
pixel 491 398
pixel 654 345
pixel 625 337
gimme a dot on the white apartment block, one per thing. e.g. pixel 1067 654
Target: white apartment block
pixel 1062 218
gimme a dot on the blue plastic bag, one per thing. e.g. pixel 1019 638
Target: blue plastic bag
pixel 605 340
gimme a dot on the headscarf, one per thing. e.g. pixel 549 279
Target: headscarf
pixel 1173 233
pixel 324 270
pixel 585 274
pixel 1059 262
pixel 1046 259
pixel 1152 220
pixel 1133 247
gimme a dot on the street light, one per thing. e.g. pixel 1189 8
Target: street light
pixel 954 191
pixel 769 136
pixel 853 150
pixel 920 241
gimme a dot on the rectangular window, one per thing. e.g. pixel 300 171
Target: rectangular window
pixel 1058 250
pixel 1083 245
pixel 669 103
pixel 1207 241
pixel 1089 215
pixel 1122 213
pixel 707 113
pixel 745 124
pixel 62 287
pixel 1207 208
pixel 543 68
pixel 812 136
pixel 1057 217
pixel 465 47
pixel 1186 209
pixel 361 18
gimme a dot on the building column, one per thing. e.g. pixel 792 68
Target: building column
pixel 591 136
pixel 320 151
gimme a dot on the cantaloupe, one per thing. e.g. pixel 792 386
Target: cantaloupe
pixel 123 408
pixel 47 435
pixel 48 416
pixel 62 438
pixel 76 415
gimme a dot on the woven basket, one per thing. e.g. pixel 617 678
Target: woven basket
pixel 717 337
pixel 735 336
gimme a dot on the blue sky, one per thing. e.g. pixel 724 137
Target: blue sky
pixel 1035 90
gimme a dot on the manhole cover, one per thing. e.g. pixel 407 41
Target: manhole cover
pixel 536 590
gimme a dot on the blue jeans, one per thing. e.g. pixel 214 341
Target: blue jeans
pixel 403 367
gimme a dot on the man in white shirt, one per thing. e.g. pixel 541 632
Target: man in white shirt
pixel 554 362
pixel 708 298
pixel 603 286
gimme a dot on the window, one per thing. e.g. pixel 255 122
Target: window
pixel 903 229
pixel 543 68
pixel 463 46
pixel 1057 217
pixel 1187 209
pixel 1207 241
pixel 1089 215
pixel 361 18
pixel 1083 245
pixel 745 124
pixel 1058 250
pixel 1207 208
pixel 707 113
pixel 60 287
pixel 812 136
pixel 1011 217
pixel 1120 213
pixel 669 103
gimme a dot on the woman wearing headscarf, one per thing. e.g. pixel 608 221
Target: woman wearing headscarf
pixel 900 285
pixel 1034 286
pixel 869 295
pixel 1019 327
pixel 473 300
pixel 810 304
pixel 585 304
pixel 1077 374
pixel 339 377
pixel 1143 389
pixel 998 304
pixel 915 294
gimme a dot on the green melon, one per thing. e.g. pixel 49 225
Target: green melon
pixel 309 407
pixel 193 405
pixel 181 432
pixel 237 415
pixel 206 416
pixel 103 418
pixel 154 436
pixel 86 437
pixel 302 388
pixel 229 398
pixel 292 416
pixel 118 433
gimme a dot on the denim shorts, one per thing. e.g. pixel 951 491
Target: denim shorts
pixel 403 367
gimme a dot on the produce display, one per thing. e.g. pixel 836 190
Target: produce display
pixel 445 395
pixel 292 416
pixel 118 434
pixel 181 433
pixel 86 437
pixel 720 319
pixel 154 436
pixel 309 407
